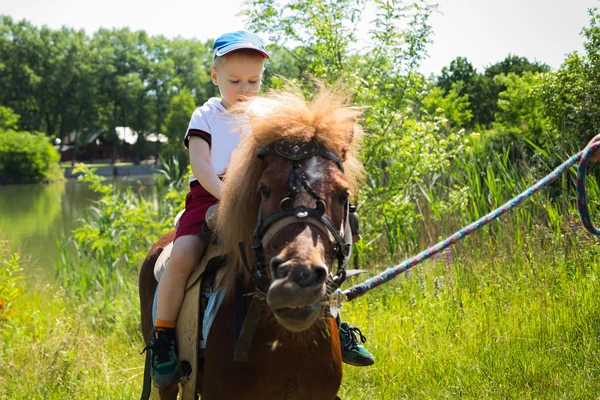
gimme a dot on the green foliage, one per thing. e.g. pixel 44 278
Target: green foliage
pixel 51 349
pixel 110 246
pixel 10 288
pixel 453 106
pixel 181 108
pixel 8 119
pixel 483 90
pixel 460 71
pixel 571 95
pixel 497 320
pixel 65 82
pixel 520 105
pixel 26 157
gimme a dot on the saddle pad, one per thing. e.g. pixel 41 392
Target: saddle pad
pixel 215 299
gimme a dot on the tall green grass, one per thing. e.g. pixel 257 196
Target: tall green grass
pixel 487 320
pixel 50 348
pixel 471 187
pixel 491 321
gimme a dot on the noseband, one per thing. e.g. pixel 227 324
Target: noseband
pixel 288 214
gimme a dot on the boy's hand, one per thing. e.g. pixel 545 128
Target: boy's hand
pixel 595 157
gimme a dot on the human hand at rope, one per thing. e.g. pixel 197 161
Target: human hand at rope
pixel 595 157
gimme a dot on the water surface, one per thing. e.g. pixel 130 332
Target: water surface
pixel 34 217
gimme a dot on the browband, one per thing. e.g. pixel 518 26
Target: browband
pixel 298 151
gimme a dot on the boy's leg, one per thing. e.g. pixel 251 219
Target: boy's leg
pixel 187 250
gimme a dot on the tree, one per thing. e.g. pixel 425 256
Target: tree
pixel 520 105
pixel 460 71
pixel 8 119
pixel 484 99
pixel 402 151
pixel 453 106
pixel 181 108
pixel 482 89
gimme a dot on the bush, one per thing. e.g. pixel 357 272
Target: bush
pixel 501 140
pixel 26 157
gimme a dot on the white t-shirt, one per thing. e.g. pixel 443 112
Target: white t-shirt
pixel 217 126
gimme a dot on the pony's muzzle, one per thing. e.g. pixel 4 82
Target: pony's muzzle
pixel 296 292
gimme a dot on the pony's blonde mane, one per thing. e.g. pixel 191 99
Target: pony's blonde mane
pixel 328 119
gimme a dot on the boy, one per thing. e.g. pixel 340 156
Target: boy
pixel 237 70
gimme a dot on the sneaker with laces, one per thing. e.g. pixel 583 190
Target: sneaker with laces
pixel 165 366
pixel 353 352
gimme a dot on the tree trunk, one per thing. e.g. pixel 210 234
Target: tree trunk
pixel 115 137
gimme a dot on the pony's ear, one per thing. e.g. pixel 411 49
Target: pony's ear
pixel 350 139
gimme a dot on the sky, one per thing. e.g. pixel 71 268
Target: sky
pixel 483 31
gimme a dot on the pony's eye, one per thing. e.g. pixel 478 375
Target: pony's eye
pixel 343 198
pixel 265 192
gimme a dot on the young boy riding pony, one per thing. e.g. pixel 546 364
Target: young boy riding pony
pixel 211 137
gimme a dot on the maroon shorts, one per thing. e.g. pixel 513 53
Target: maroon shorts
pixel 197 201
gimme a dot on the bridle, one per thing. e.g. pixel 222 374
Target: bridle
pixel 287 214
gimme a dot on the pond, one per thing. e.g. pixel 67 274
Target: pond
pixel 34 217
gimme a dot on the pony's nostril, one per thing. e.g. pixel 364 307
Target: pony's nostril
pixel 309 276
pixel 302 275
pixel 320 272
pixel 277 271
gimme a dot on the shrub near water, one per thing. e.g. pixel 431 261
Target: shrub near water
pixel 110 247
pixel 79 337
pixel 27 158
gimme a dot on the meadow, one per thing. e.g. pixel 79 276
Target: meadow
pixel 509 313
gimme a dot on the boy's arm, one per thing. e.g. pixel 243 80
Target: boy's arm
pixel 203 171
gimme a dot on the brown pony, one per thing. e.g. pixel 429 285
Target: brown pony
pixel 295 351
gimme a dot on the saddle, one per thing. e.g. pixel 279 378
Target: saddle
pixel 200 304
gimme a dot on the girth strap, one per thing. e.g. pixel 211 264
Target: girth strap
pixel 244 341
pixel 245 323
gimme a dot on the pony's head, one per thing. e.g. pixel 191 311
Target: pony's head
pixel 286 195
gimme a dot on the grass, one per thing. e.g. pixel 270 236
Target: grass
pixel 483 322
pixel 503 326
pixel 509 313
pixel 51 347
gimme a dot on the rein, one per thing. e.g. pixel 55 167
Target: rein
pixel 338 296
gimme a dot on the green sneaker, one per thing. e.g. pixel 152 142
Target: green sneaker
pixel 353 352
pixel 165 366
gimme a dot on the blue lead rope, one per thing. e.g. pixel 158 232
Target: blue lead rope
pixel 337 297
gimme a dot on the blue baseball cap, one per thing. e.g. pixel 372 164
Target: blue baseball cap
pixel 229 42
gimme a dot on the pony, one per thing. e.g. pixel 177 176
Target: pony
pixel 286 198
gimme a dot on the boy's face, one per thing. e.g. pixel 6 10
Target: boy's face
pixel 238 76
